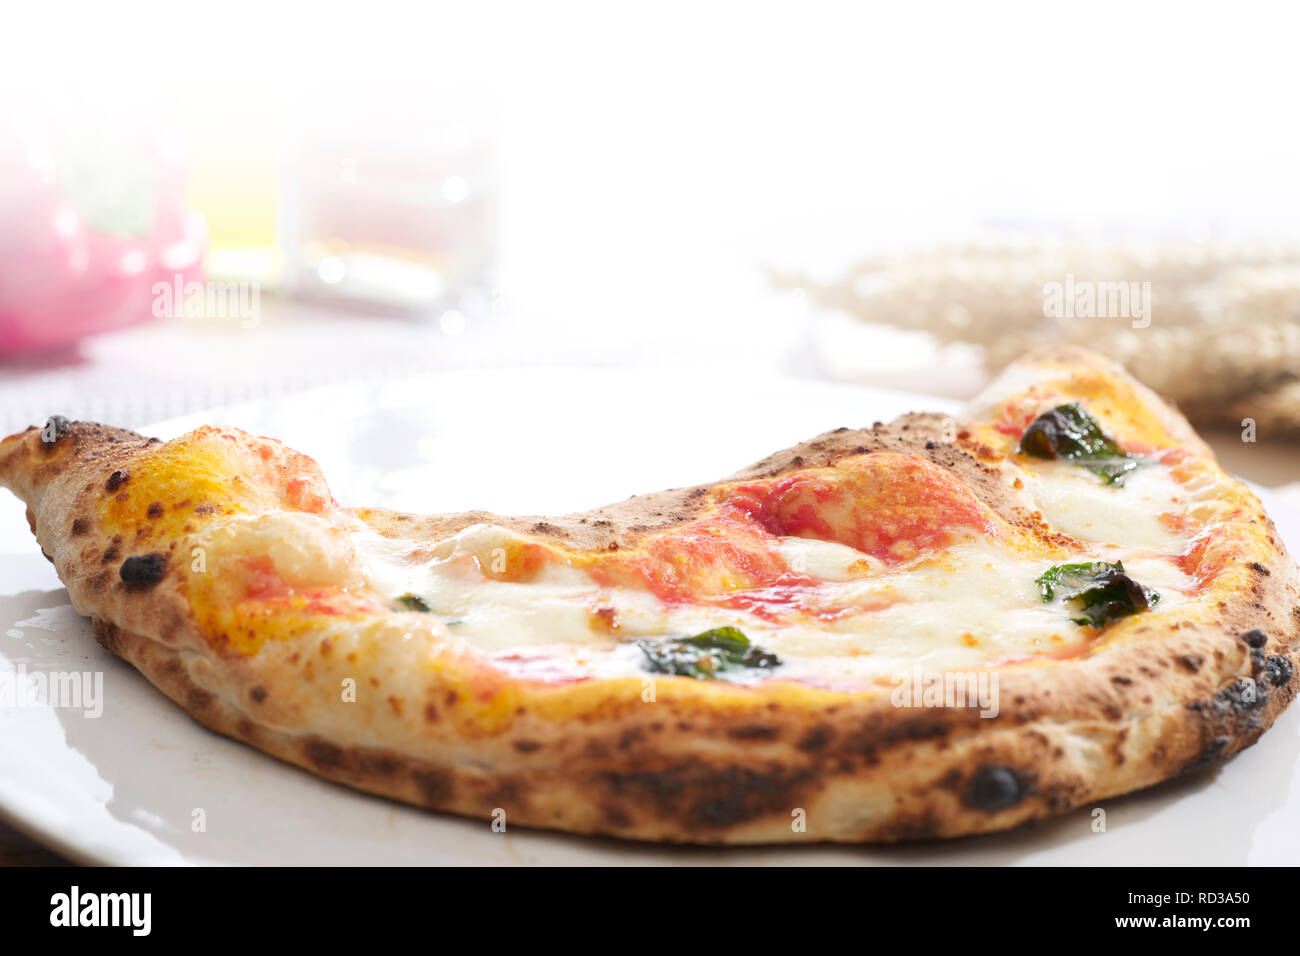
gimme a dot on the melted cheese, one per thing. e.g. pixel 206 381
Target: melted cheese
pixel 828 560
pixel 1075 501
pixel 305 550
pixel 973 606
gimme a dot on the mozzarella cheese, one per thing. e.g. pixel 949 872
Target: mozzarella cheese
pixel 972 606
pixel 1075 501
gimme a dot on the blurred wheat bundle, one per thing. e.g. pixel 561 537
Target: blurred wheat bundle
pixel 1215 326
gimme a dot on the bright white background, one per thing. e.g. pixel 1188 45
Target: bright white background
pixel 656 157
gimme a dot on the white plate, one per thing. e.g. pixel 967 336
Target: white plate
pixel 127 787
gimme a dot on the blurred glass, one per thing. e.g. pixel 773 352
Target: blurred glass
pixel 397 214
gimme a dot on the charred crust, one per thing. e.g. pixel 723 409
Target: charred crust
pixel 1237 697
pixel 323 754
pixel 910 829
pixel 659 785
pixel 80 526
pixel 108 636
pixel 197 700
pixel 1278 670
pixel 994 788
pixel 712 798
pixel 951 780
pixel 56 428
pixel 877 732
pixel 1255 638
pixel 754 732
pixel 1190 662
pixel 508 793
pixel 527 746
pixel 116 480
pixel 257 694
pixel 615 816
pixel 815 739
pixel 143 570
pixel 378 764
pixel 1214 750
pixel 435 786
pixel 155 510
pixel 1238 710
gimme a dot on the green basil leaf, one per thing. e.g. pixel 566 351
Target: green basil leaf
pixel 706 655
pixel 1069 432
pixel 1100 591
pixel 1113 472
pixel 413 602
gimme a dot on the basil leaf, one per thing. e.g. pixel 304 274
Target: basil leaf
pixel 1100 591
pixel 1113 472
pixel 706 655
pixel 1069 432
pixel 413 602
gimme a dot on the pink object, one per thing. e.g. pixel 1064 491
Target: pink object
pixel 86 229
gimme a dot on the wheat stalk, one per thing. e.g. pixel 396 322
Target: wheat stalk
pixel 1224 330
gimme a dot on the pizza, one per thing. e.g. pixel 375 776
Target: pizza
pixel 928 628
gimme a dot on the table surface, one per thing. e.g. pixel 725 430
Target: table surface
pixel 106 380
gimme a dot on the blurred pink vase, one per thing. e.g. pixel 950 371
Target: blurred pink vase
pixel 86 230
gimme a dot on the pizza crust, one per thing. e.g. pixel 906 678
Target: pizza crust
pixel 704 762
pixel 852 771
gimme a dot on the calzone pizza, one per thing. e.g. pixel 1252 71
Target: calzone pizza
pixel 934 627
